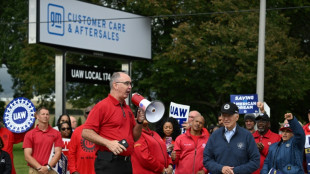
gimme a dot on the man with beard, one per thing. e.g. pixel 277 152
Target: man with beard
pixel 264 137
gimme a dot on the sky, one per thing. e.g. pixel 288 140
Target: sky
pixel 6 83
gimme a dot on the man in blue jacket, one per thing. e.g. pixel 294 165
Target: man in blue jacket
pixel 231 149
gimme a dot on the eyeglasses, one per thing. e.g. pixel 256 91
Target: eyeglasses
pixel 63 129
pixel 127 83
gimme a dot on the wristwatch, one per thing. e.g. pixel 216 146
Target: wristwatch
pixel 139 122
pixel 49 167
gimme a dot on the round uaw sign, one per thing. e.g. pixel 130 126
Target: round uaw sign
pixel 19 115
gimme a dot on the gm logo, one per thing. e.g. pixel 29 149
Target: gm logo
pixel 56 19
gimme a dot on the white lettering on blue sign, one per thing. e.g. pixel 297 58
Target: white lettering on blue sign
pixel 244 97
pixel 178 111
pixel 245 103
pixel 19 115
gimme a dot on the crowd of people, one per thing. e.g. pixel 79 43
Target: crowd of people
pixel 115 140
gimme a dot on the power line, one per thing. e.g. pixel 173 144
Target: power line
pixel 177 15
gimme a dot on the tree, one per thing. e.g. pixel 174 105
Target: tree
pixel 209 59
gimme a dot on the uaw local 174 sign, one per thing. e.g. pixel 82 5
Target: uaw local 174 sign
pixel 246 103
pixel 19 115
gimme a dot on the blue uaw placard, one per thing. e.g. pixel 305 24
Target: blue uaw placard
pixel 245 102
pixel 18 116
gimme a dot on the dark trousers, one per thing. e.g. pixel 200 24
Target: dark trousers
pixel 114 165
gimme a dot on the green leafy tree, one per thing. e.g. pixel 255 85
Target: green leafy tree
pixel 210 58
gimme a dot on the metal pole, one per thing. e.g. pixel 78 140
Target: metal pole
pixel 261 52
pixel 60 84
pixel 126 66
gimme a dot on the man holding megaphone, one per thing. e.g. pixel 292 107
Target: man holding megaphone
pixel 111 125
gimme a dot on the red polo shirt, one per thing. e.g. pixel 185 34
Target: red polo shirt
pixel 42 142
pixel 267 139
pixel 110 121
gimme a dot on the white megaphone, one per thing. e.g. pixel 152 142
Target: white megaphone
pixel 154 110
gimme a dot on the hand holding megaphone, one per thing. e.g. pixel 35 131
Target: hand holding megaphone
pixel 154 110
pixel 140 115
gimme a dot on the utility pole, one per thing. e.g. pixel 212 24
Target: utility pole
pixel 261 52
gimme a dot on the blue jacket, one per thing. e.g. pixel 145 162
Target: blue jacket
pixel 287 154
pixel 241 152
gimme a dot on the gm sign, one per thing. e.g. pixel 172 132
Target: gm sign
pixel 56 19
pixel 85 27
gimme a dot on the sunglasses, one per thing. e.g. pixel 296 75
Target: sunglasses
pixel 63 129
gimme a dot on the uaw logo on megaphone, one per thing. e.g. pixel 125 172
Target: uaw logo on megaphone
pixel 19 115
pixel 154 110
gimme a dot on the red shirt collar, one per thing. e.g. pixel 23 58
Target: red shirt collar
pixel 267 134
pixel 48 128
pixel 115 101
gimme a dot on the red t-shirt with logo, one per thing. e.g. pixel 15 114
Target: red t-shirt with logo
pixel 81 154
pixel 42 142
pixel 112 121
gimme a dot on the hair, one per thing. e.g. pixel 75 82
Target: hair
pixel 211 130
pixel 59 128
pixel 176 128
pixel 219 114
pixel 88 108
pixel 40 108
pixel 114 77
pixel 62 115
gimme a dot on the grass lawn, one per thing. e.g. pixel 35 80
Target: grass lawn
pixel 19 160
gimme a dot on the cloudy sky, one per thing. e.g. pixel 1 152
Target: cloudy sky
pixel 6 83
